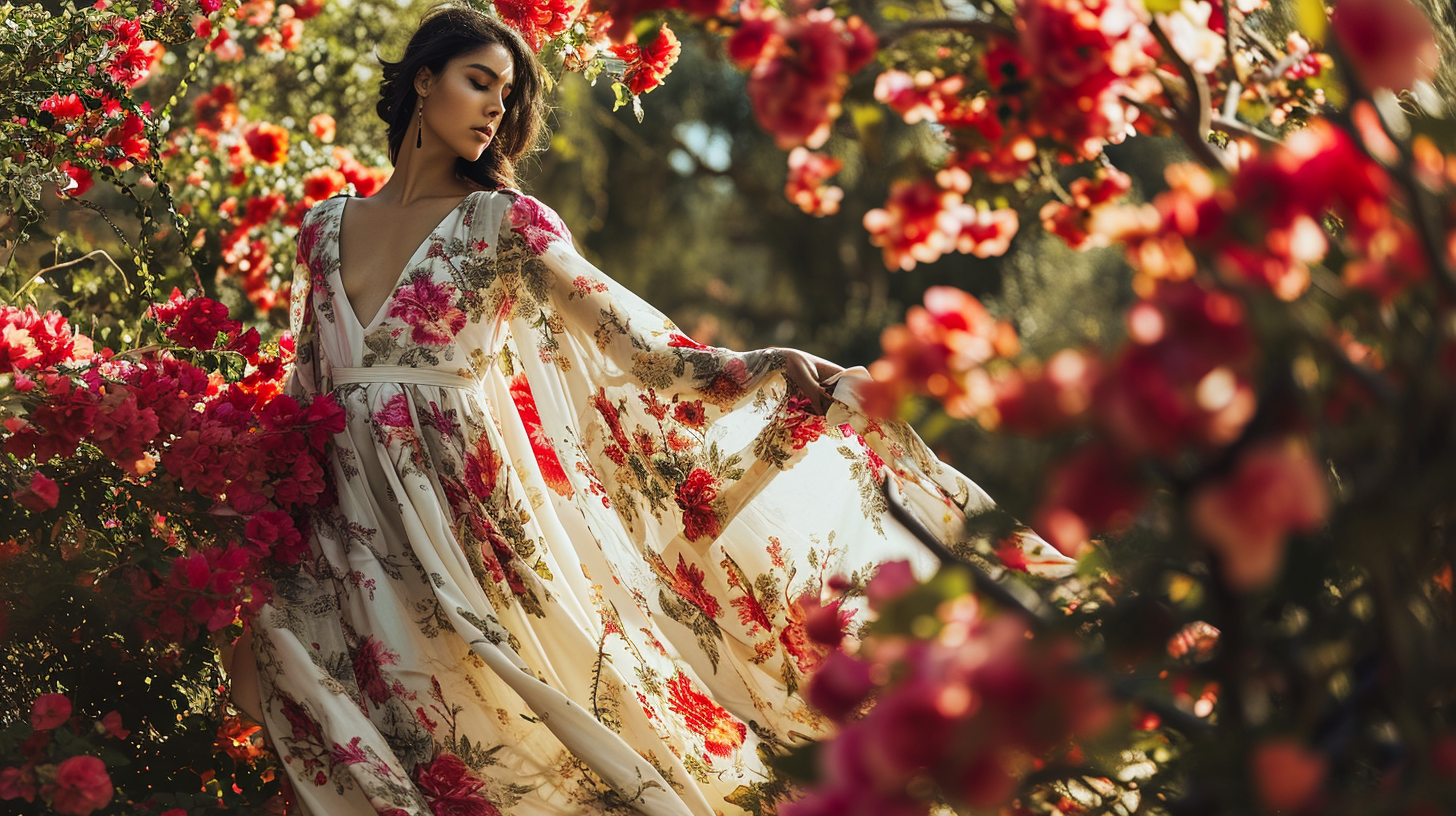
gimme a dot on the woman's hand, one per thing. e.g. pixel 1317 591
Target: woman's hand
pixel 810 375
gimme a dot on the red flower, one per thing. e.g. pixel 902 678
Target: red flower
pixel 268 143
pixel 80 182
pixel 321 183
pixel 323 127
pixel 194 322
pixel 40 495
pixel 537 20
pixel 691 414
pixel 805 186
pixel 65 107
pixel 81 786
pixel 941 349
pixel 801 70
pixel 49 711
pixel 919 223
pixel 647 65
pixel 695 496
pixel 216 110
pixel 721 733
pixel 1389 43
pixel 1287 775
pixel 1094 490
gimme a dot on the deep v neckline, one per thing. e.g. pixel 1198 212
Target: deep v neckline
pixel 409 265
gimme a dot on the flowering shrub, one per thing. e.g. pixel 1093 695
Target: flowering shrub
pixel 1253 471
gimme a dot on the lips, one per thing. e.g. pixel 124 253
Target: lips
pixel 486 130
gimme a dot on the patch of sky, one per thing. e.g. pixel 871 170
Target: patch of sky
pixel 701 144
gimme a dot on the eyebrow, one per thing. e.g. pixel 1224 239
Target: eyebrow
pixel 491 72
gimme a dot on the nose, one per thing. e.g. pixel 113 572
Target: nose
pixel 495 106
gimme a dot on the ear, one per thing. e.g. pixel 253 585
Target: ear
pixel 424 80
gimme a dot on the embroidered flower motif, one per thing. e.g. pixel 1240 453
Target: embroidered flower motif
pixel 538 224
pixel 653 370
pixel 722 733
pixel 393 421
pixel 481 467
pixel 369 659
pixel 695 496
pixel 451 789
pixel 429 308
pixel 688 583
pixel 691 414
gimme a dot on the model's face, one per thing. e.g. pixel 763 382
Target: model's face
pixel 465 103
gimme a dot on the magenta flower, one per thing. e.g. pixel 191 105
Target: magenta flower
pixel 429 309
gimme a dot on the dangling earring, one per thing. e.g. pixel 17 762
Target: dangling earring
pixel 419 141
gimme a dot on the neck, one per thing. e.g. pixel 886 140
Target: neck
pixel 423 172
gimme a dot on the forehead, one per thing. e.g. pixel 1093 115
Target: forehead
pixel 493 56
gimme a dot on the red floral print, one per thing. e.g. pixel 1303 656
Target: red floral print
pixel 688 582
pixel 369 659
pixel 481 468
pixel 451 789
pixel 695 496
pixel 690 414
pixel 546 459
pixel 722 734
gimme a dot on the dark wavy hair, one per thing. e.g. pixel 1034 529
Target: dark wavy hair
pixel 445 32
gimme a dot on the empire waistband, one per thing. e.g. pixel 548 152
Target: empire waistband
pixel 400 375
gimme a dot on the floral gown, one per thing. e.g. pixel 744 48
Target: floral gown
pixel 560 573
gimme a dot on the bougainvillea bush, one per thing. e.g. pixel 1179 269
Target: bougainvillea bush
pixel 1253 474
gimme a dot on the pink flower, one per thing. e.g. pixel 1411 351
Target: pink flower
pixel 81 786
pixel 429 309
pixel 31 339
pixel 1273 491
pixel 892 579
pixel 41 495
pixel 537 224
pixel 112 723
pixel 18 783
pixel 986 233
pixel 49 711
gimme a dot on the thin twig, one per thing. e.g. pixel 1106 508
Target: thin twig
pixel 1192 125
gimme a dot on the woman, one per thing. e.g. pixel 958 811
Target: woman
pixel 562 569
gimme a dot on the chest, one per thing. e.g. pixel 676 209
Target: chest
pixel 378 245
